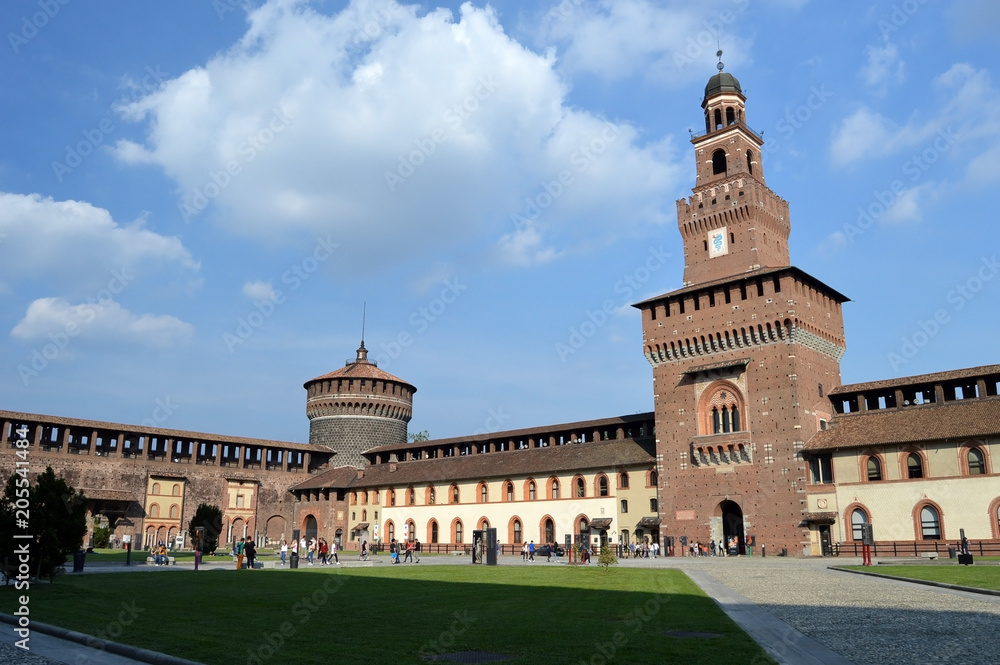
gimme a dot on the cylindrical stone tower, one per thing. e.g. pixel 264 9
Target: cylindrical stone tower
pixel 356 408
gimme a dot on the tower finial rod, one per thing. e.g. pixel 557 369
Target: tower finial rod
pixel 364 313
pixel 718 54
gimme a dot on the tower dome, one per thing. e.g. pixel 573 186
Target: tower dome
pixel 356 408
pixel 722 82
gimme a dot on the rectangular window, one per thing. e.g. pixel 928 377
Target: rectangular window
pixel 821 468
pixel 653 505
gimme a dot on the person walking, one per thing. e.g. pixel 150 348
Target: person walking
pixel 250 548
pixel 416 550
pixel 324 551
pixel 524 551
pixel 364 550
pixel 531 551
pixel 312 551
pixel 409 552
pixel 284 550
pixel 240 553
pixel 333 552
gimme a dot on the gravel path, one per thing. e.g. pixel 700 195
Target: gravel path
pixel 870 621
pixel 11 654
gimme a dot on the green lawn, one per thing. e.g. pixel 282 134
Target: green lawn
pixel 983 577
pixel 391 615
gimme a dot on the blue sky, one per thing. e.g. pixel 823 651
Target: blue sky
pixel 196 198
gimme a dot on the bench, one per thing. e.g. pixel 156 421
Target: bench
pixel 152 561
pixel 929 555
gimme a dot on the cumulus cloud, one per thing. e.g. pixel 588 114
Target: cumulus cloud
pixel 867 134
pixel 673 42
pixel 100 321
pixel 75 247
pixel 393 132
pixel 884 67
pixel 259 291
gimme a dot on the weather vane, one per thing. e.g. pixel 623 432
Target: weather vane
pixel 718 54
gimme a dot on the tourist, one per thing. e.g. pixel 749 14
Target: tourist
pixel 250 548
pixel 416 550
pixel 239 553
pixel 531 551
pixel 284 550
pixel 324 550
pixel 312 550
pixel 524 551
pixel 364 551
pixel 333 551
pixel 409 551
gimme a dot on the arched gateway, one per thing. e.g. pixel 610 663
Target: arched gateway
pixel 728 523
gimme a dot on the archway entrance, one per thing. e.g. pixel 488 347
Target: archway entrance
pixel 732 526
pixel 311 528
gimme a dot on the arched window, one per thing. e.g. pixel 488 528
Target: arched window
pixel 375 496
pixel 484 493
pixel 718 118
pixel 930 523
pixel 174 511
pixel 555 488
pixel 623 480
pixel 431 495
pixel 977 462
pixel 364 515
pixel 914 466
pixel 584 525
pixel 654 479
pixel 458 531
pixel 364 498
pixel 517 531
pixel 716 421
pixel 392 497
pixel 485 524
pixel 411 531
pixel 858 519
pixel 581 488
pixel 434 532
pixel 154 510
pixel 734 415
pixel 509 491
pixel 719 411
pixel 550 531
pixel 602 486
pixel 454 493
pixel 390 531
pixel 531 490
pixel 750 169
pixel 156 488
pixel 411 495
pixel 354 498
pixel 624 505
pixel 718 162
pixel 874 467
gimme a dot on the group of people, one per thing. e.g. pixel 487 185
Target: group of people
pixel 411 548
pixel 327 552
pixel 724 547
pixel 643 550
pixel 245 548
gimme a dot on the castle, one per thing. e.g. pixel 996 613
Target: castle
pixel 753 438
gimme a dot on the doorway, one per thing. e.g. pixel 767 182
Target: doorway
pixel 732 526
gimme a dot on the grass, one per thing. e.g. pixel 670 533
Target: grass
pixel 386 615
pixel 983 577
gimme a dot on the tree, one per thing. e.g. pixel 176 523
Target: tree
pixel 607 557
pixel 102 536
pixel 209 517
pixel 55 517
pixel 417 437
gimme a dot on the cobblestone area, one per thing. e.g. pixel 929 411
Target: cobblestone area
pixel 869 620
pixel 11 654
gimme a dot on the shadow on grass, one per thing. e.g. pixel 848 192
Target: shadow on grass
pixel 398 616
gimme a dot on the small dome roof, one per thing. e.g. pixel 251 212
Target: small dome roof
pixel 722 82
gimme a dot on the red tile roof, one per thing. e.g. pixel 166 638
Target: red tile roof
pixel 949 421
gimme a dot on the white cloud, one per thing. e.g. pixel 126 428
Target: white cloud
pixel 616 39
pixel 391 131
pixel 967 116
pixel 259 291
pixel 75 247
pixel 909 205
pixel 884 67
pixel 102 321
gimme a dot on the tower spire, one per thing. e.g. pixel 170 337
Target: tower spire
pixel 718 54
pixel 362 351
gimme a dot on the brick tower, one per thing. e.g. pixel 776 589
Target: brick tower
pixel 356 408
pixel 743 354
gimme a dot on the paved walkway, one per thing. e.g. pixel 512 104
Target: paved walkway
pixel 799 610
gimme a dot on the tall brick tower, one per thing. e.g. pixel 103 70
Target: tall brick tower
pixel 743 354
pixel 356 408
